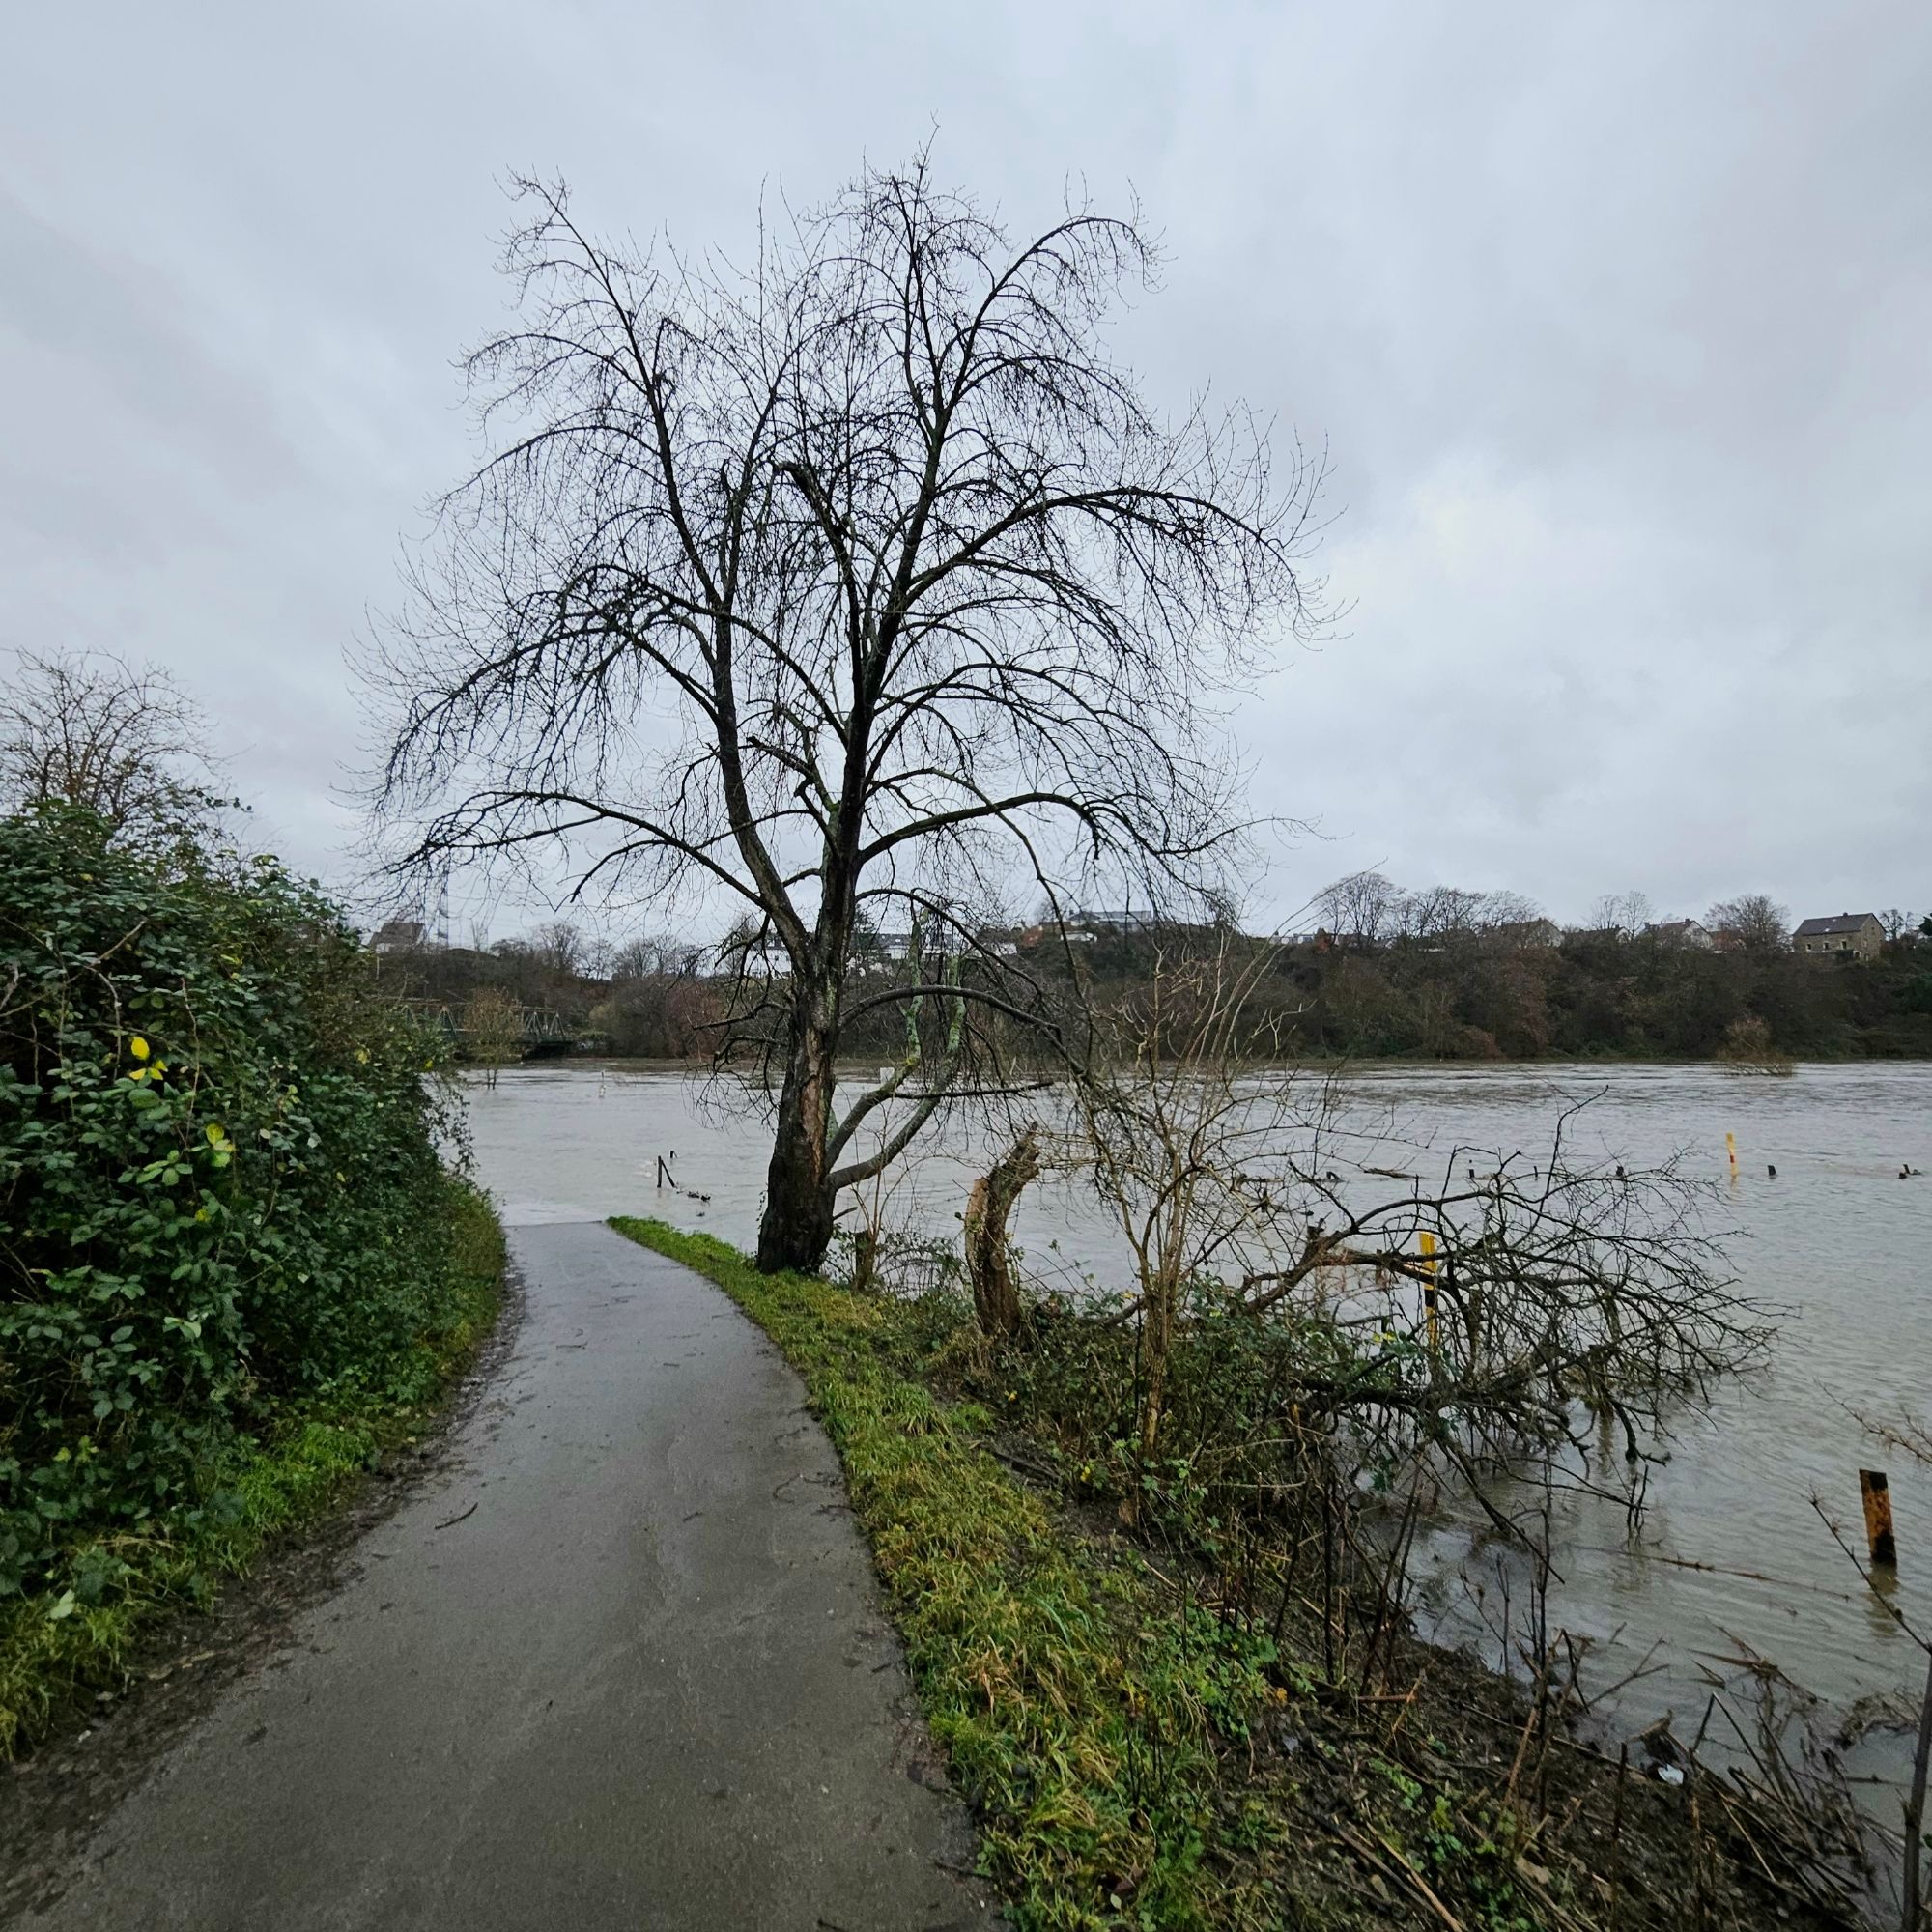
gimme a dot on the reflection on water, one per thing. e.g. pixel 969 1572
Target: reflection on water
pixel 1836 1239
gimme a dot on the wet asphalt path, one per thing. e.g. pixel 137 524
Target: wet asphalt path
pixel 645 1682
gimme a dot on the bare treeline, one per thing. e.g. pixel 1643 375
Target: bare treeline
pixel 1368 908
pixel 120 740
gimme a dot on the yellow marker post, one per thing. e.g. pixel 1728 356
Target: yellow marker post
pixel 1428 1241
pixel 1731 1147
pixel 1875 1492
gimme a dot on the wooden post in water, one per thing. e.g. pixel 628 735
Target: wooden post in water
pixel 1731 1148
pixel 1428 1241
pixel 1875 1492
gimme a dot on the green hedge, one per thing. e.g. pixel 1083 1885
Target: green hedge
pixel 221 1199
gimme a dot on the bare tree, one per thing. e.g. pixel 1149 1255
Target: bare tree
pixel 1623 913
pixel 1506 910
pixel 1360 908
pixel 1748 1047
pixel 1438 912
pixel 557 947
pixel 492 1030
pixel 1505 1290
pixel 654 956
pixel 1897 923
pixel 96 731
pixel 860 578
pixel 1753 924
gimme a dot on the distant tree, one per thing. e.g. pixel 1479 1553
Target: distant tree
pixel 1438 912
pixel 1753 924
pixel 492 1030
pixel 127 744
pixel 1748 1047
pixel 661 1016
pixel 1926 926
pixel 650 957
pixel 915 589
pixel 1360 908
pixel 1429 913
pixel 1896 924
pixel 558 948
pixel 1502 910
pixel 1623 913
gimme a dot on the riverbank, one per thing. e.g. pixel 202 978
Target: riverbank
pixel 1831 1241
pixel 1142 1752
pixel 296 1463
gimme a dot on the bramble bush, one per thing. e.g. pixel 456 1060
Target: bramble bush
pixel 221 1197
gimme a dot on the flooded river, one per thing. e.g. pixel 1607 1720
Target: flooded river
pixel 1836 1239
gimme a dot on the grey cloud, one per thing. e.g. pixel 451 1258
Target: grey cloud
pixel 1613 320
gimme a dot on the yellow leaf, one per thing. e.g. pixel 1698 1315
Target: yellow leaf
pixel 139 1047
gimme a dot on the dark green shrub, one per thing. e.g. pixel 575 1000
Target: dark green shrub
pixel 221 1191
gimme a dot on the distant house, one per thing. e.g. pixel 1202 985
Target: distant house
pixel 1857 933
pixel 762 959
pixel 1115 921
pixel 398 935
pixel 1529 932
pixel 1689 932
pixel 871 947
pixel 892 946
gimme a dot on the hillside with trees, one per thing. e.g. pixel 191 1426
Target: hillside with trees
pixel 1443 975
pixel 1479 996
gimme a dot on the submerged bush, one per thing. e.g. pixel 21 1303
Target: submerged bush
pixel 221 1193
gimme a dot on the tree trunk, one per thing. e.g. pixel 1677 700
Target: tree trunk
pixel 1157 1317
pixel 996 1295
pixel 797 1226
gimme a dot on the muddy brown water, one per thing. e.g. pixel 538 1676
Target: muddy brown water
pixel 1837 1240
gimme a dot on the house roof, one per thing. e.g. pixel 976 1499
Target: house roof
pixel 1125 920
pixel 1844 922
pixel 1677 926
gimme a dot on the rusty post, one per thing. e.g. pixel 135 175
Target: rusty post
pixel 1875 1492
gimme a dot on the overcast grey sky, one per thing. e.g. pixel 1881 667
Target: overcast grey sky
pixel 1615 320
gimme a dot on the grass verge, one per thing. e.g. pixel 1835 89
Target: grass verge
pixel 290 1473
pixel 1139 1755
pixel 1084 1720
